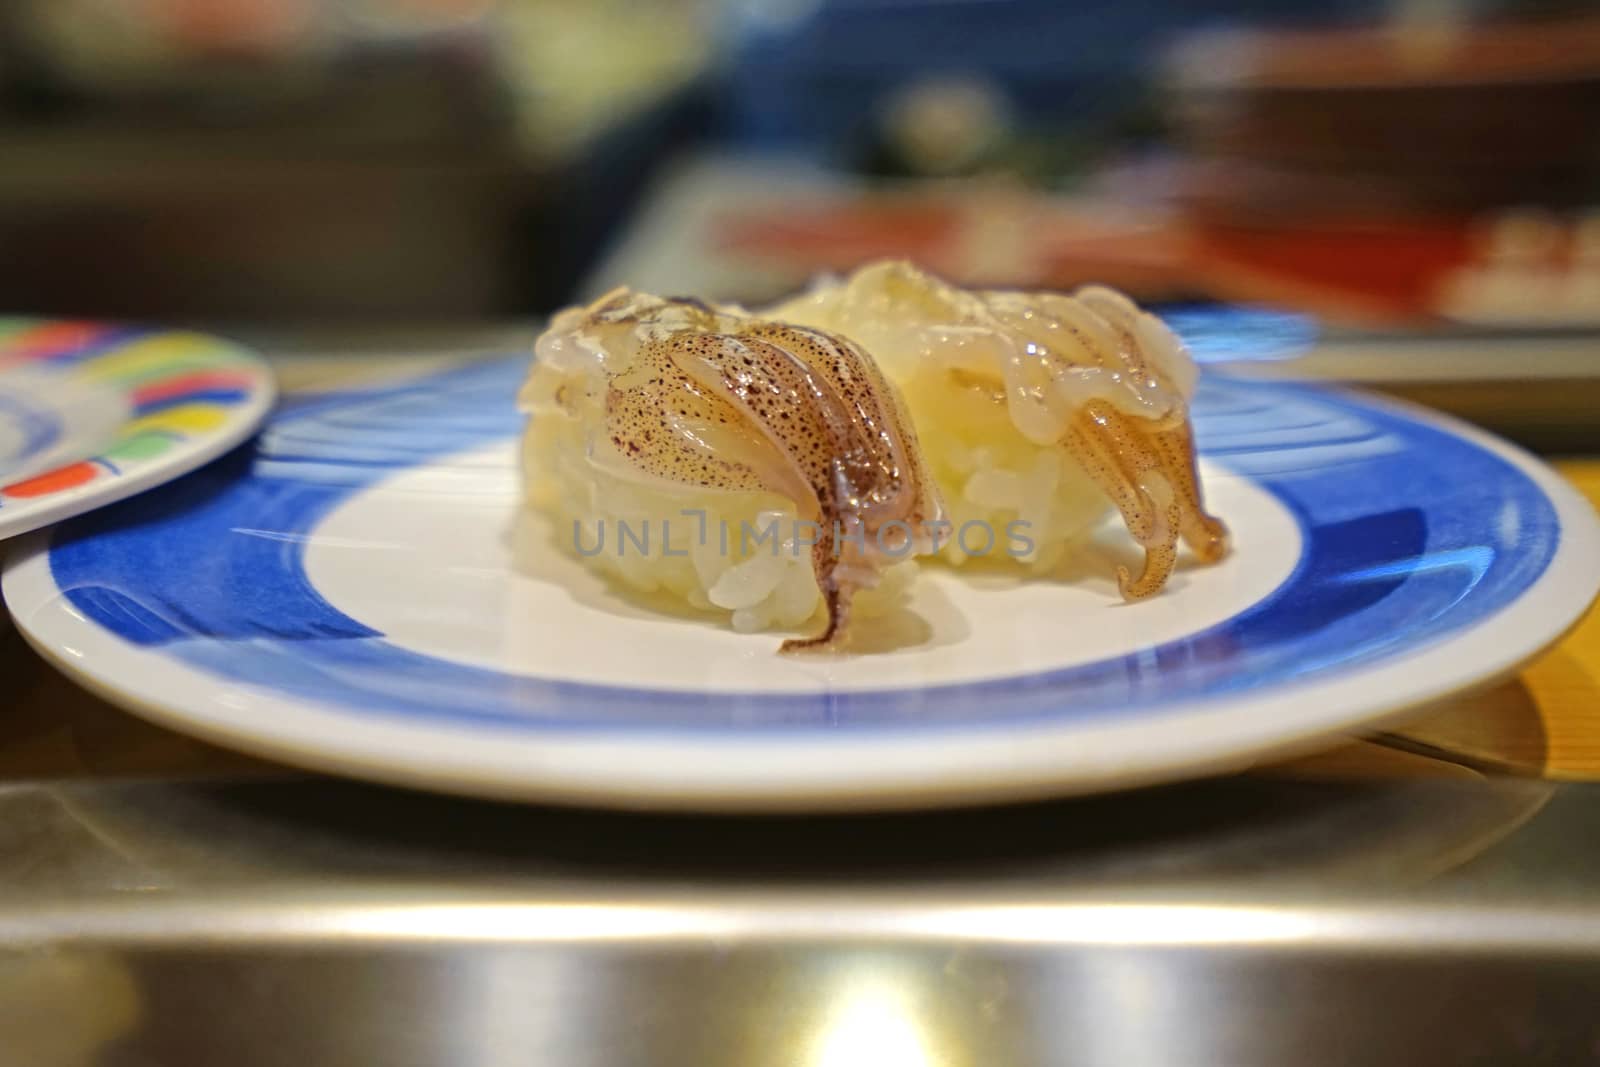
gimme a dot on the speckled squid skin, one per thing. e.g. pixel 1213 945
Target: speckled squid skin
pixel 1088 371
pixel 710 398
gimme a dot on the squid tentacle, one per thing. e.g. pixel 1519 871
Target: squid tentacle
pixel 1109 448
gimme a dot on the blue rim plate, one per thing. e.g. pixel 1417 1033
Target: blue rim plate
pixel 358 591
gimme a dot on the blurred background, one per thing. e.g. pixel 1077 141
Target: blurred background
pixel 1401 166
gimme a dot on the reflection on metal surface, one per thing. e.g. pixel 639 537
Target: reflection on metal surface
pixel 1369 985
pixel 61 1009
pixel 1101 923
pixel 590 923
pixel 1194 920
pixel 871 1021
pixel 203 835
pixel 1244 921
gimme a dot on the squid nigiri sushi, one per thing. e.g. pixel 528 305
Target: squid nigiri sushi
pixel 754 468
pixel 1044 409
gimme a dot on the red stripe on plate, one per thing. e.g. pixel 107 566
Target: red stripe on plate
pixel 52 481
pixel 51 339
pixel 190 383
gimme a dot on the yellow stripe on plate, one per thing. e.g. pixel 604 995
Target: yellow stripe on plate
pixel 187 418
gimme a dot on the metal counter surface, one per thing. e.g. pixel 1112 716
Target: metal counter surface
pixel 1250 920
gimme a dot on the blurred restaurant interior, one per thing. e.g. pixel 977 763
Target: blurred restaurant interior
pixel 1386 170
pixel 1400 169
pixel 1385 165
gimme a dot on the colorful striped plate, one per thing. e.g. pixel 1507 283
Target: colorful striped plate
pixel 91 413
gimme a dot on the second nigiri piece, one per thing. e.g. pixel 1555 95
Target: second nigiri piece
pixel 1039 407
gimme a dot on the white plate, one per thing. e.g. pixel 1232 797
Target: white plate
pixel 92 413
pixel 359 594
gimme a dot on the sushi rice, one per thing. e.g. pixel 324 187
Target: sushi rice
pixel 737 554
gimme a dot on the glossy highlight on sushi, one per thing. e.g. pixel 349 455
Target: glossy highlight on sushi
pixel 1008 384
pixel 651 406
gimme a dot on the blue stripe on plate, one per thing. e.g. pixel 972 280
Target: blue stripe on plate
pixel 197 396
